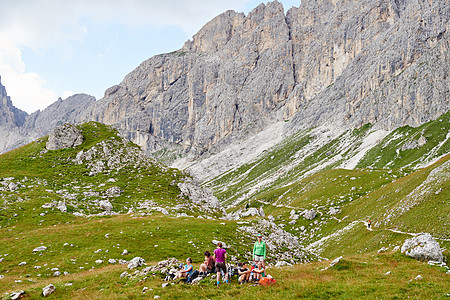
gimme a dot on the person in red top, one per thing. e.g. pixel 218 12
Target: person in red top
pixel 220 255
pixel 208 266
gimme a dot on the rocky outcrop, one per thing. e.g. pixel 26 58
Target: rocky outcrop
pixel 64 136
pixel 229 82
pixel 423 247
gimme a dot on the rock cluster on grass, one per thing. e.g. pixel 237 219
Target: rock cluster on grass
pixel 423 247
pixel 309 214
pixel 281 245
pixel 163 266
pixel 64 136
pixel 250 212
pixel 200 196
pixel 136 262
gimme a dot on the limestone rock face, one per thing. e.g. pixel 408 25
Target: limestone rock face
pixel 344 62
pixel 229 82
pixel 423 247
pixel 71 110
pixel 64 136
pixel 383 62
pixel 10 116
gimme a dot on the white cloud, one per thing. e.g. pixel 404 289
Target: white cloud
pixel 40 24
pixel 25 88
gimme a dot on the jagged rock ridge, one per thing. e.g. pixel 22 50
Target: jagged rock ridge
pixel 347 62
pixel 342 62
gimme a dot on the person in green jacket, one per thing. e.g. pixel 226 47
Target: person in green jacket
pixel 259 251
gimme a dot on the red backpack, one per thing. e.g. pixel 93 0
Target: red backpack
pixel 267 281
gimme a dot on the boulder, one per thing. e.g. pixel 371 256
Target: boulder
pixel 106 205
pixel 309 214
pixel 114 191
pixel 334 211
pixel 64 136
pixel 16 295
pixel 12 186
pixel 40 248
pixel 252 211
pixel 56 274
pixel 136 262
pixel 62 206
pixel 423 247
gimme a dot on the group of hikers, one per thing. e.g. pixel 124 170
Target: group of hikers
pixel 216 263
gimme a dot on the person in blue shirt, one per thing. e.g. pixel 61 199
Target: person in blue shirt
pixel 187 270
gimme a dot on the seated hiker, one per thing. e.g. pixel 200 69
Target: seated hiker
pixel 244 273
pixel 258 272
pixel 208 266
pixel 187 270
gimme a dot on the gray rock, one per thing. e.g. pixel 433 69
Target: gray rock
pixel 423 247
pixel 13 186
pixel 62 206
pixel 16 295
pixel 123 274
pixel 56 274
pixel 106 205
pixel 64 136
pixel 40 248
pixel 136 262
pixel 334 211
pixel 200 196
pixel 114 191
pixel 309 214
pixel 335 261
pixel 282 263
pixel 125 252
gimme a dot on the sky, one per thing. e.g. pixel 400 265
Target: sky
pixel 57 48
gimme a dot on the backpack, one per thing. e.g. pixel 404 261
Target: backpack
pixel 192 276
pixel 267 281
pixel 232 271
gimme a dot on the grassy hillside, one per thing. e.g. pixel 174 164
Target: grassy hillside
pixel 113 169
pixel 402 148
pixel 81 241
pixel 315 150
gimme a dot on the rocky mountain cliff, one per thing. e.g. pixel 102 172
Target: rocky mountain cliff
pixel 340 63
pixel 10 116
pixel 346 62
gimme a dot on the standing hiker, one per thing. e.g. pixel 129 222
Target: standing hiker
pixel 220 255
pixel 259 251
pixel 368 224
